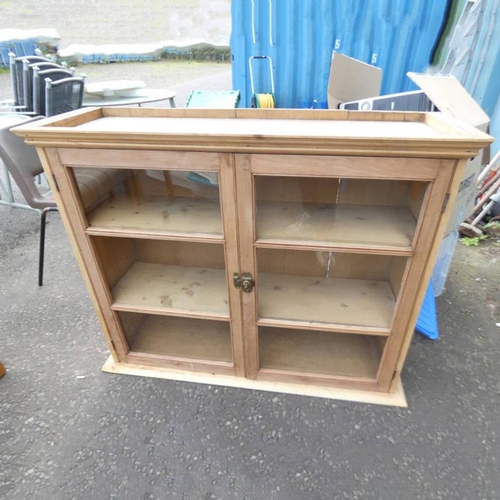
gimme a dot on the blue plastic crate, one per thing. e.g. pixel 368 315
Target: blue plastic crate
pixel 427 323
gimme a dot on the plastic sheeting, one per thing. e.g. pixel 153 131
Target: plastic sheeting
pixel 300 35
pixel 474 56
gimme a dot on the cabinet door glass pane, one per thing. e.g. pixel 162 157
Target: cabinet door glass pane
pixel 357 212
pixel 164 201
pixel 321 353
pixel 178 338
pixel 328 287
pixel 166 277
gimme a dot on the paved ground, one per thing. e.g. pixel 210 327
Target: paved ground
pixel 69 431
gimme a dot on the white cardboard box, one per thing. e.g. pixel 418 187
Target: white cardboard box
pixel 351 79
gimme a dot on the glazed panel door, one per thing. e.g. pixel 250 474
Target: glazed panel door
pixel 329 253
pixel 157 230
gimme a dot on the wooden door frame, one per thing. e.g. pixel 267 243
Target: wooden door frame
pixel 437 172
pixel 76 225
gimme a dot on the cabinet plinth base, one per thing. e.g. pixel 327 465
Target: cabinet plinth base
pixel 396 398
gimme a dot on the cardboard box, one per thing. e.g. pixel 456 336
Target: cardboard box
pixel 351 80
pixel 448 95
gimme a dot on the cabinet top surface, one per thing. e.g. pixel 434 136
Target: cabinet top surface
pixel 300 131
pixel 255 127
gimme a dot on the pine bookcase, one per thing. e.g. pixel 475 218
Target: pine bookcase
pixel 283 250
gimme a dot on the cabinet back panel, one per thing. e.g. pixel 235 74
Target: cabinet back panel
pixel 118 254
pixel 340 265
pixel 326 353
pixel 182 338
pixel 151 201
pixel 373 192
pixel 180 253
pixel 296 189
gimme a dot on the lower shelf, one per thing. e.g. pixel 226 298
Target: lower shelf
pixel 320 353
pixel 396 398
pixel 180 338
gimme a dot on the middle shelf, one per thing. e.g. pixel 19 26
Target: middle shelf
pixel 165 277
pixel 309 299
pixel 175 289
pixel 334 291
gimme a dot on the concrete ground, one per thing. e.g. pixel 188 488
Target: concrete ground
pixel 69 431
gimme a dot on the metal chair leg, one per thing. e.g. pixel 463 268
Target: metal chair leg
pixel 43 218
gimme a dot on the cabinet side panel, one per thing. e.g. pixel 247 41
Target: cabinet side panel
pixel 419 273
pixel 433 253
pixel 116 255
pixel 88 258
pixel 73 225
pixel 416 196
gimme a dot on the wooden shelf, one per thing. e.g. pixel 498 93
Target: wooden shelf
pixel 331 354
pixel 182 338
pixel 357 225
pixel 167 289
pixel 354 302
pixel 192 216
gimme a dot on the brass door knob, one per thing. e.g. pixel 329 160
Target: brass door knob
pixel 245 282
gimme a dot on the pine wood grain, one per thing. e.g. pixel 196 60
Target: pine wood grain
pixel 273 131
pixel 246 254
pixel 227 177
pixel 139 159
pixel 352 167
pixel 419 271
pixel 258 127
pixel 136 367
